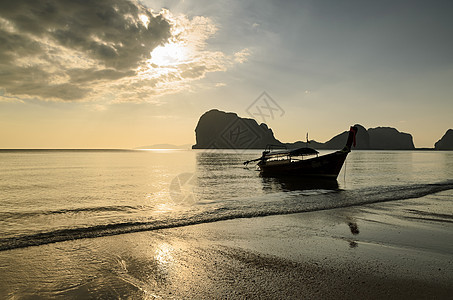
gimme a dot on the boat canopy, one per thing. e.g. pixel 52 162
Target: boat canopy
pixel 294 152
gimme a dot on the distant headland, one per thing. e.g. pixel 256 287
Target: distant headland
pixel 226 130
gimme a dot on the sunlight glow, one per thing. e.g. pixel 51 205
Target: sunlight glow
pixel 145 20
pixel 183 58
pixel 164 255
pixel 170 54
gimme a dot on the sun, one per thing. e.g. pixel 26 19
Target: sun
pixel 170 54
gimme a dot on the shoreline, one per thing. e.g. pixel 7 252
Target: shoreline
pixel 393 250
pixel 196 149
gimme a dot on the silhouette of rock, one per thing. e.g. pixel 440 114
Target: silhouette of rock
pixel 338 141
pixel 221 130
pixel 387 138
pixel 446 142
pixel 380 138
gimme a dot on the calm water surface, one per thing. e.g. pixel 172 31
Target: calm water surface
pixel 73 206
pixel 49 196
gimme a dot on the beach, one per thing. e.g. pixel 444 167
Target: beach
pixel 226 150
pixel 374 251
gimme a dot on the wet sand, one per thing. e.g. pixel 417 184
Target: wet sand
pixel 393 250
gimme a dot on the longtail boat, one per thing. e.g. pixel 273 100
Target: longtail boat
pixel 304 161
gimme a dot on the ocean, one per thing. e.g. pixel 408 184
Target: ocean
pixel 50 197
pixel 56 195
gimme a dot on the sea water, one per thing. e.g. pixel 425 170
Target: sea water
pixel 93 224
pixel 49 196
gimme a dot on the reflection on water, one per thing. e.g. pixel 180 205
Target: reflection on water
pixel 221 175
pixel 283 184
pixel 354 228
pixel 94 194
pixel 355 231
pixel 379 168
pixel 353 244
pixel 164 256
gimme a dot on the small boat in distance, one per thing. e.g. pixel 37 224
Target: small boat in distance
pixel 304 161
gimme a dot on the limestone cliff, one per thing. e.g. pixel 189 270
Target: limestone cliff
pixel 446 142
pixel 221 130
pixel 387 138
pixel 380 138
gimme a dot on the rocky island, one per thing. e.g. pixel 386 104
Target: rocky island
pixel 446 142
pixel 225 130
pixel 221 130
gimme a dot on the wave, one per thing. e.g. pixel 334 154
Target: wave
pixel 287 203
pixel 26 214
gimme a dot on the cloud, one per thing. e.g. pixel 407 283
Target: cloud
pixel 176 64
pixel 242 55
pixel 69 50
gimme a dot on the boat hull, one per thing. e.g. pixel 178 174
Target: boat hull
pixel 325 166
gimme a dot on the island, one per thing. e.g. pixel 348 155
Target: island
pixel 226 130
pixel 446 142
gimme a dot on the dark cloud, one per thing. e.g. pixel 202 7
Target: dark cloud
pixel 79 75
pixel 33 81
pixel 50 48
pixel 16 45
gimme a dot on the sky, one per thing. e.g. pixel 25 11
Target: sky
pixel 124 74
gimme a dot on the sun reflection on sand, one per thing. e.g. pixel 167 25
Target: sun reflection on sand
pixel 164 255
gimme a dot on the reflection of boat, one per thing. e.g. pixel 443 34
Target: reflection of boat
pixel 304 161
pixel 293 183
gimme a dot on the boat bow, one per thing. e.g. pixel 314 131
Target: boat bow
pixel 305 161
